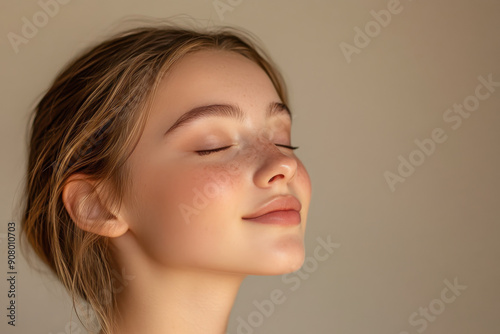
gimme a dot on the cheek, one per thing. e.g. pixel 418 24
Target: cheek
pixel 184 196
pixel 186 213
pixel 212 191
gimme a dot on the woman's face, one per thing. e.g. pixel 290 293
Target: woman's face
pixel 188 206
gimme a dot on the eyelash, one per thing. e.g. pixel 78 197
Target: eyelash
pixel 206 152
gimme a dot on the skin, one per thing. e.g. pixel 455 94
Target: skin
pixel 189 256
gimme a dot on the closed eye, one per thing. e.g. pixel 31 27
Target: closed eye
pixel 288 146
pixel 206 152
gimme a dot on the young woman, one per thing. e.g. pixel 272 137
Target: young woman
pixel 161 173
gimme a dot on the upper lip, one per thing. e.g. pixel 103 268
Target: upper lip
pixel 279 203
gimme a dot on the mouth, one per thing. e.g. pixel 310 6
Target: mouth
pixel 281 210
pixel 281 217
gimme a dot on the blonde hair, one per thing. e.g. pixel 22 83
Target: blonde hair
pixel 89 122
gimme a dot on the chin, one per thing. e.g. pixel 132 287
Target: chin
pixel 282 261
pixel 291 263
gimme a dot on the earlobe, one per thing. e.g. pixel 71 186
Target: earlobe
pixel 85 204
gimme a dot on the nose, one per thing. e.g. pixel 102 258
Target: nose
pixel 275 167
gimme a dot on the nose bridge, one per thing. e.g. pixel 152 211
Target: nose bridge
pixel 263 144
pixel 271 163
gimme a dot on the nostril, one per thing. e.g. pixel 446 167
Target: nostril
pixel 272 179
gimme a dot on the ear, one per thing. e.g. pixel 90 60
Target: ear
pixel 85 204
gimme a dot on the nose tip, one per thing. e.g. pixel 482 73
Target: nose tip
pixel 275 167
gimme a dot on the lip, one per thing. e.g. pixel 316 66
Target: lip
pixel 281 210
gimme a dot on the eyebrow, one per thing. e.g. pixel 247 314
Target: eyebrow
pixel 225 110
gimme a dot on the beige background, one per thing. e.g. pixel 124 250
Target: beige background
pixel 352 122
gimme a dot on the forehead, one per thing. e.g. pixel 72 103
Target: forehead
pixel 213 65
pixel 213 76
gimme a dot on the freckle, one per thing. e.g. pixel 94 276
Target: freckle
pixel 221 175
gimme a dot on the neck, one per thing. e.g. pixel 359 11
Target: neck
pixel 177 301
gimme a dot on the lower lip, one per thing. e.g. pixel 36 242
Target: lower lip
pixel 283 217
